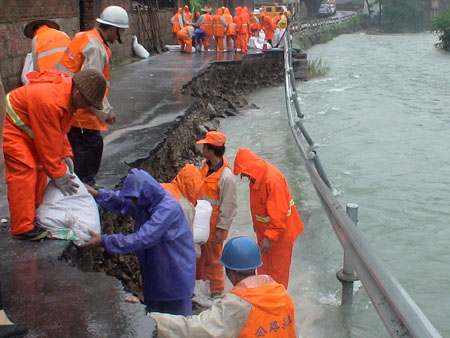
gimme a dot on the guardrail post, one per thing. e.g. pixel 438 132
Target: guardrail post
pixel 347 275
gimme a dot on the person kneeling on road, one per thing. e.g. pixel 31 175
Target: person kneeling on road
pixel 162 241
pixel 35 143
pixel 256 306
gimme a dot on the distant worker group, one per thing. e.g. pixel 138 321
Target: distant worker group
pixel 228 33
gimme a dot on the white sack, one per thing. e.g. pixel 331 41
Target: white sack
pixel 203 212
pixel 139 50
pixel 69 217
pixel 278 38
pixel 27 67
pixel 202 293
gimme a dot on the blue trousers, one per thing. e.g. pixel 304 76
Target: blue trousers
pixel 175 307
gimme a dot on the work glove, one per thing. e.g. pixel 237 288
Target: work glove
pixel 68 161
pixel 65 183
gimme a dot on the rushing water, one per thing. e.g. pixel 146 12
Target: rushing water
pixel 381 118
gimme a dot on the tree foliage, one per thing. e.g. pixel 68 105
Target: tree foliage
pixel 441 24
pixel 403 15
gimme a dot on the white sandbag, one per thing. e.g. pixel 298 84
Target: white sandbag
pixel 278 38
pixel 139 50
pixel 203 212
pixel 173 48
pixel 27 67
pixel 202 293
pixel 69 217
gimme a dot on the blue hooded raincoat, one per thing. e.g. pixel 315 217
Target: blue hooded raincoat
pixel 162 238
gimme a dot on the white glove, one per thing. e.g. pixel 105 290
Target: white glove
pixel 65 183
pixel 68 161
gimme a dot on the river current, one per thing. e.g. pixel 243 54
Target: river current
pixel 381 120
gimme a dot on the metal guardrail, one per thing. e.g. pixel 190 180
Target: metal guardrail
pixel 316 24
pixel 400 315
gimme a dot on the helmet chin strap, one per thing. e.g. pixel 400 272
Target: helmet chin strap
pixel 118 35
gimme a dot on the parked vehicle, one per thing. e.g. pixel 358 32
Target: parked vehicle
pixel 324 11
pixel 275 10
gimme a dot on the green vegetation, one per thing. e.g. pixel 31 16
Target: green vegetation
pixel 441 24
pixel 317 68
pixel 399 16
pixel 327 33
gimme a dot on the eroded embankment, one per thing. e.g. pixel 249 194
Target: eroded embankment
pixel 220 91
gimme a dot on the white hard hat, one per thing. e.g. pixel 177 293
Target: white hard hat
pixel 114 16
pixel 256 12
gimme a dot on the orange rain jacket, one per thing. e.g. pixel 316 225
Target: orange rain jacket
pixel 187 183
pixel 256 307
pixel 273 211
pixel 206 24
pixel 47 47
pixel 35 142
pixel 88 50
pixel 219 24
pixel 229 21
pixel 245 21
pixel 268 25
pixel 177 21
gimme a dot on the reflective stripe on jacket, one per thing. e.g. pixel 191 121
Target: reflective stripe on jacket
pixel 207 24
pixel 219 189
pixel 273 211
pixel 47 47
pixel 219 25
pixel 41 110
pixel 88 50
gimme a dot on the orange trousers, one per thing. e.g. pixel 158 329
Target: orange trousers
pixel 218 44
pixel 25 178
pixel 184 41
pixel 242 37
pixel 277 262
pixel 209 267
pixel 231 38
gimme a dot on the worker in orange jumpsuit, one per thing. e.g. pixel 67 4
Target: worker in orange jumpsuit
pixel 184 38
pixel 205 23
pixel 254 24
pixel 268 25
pixel 177 23
pixel 244 32
pixel 219 188
pixel 187 16
pixel 275 218
pixel 231 31
pixel 219 29
pixel 35 144
pixel 237 19
pixel 90 50
pixel 48 43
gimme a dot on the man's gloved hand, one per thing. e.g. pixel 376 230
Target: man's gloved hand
pixel 68 161
pixel 65 183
